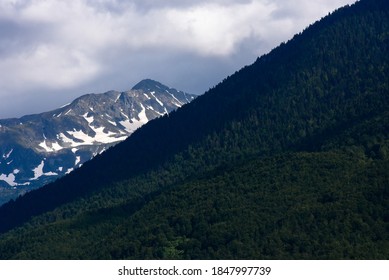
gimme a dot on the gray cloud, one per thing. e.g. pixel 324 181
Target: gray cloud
pixel 54 51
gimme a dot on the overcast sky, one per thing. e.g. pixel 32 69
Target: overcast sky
pixel 52 51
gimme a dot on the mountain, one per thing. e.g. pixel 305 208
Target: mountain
pixel 285 159
pixel 37 149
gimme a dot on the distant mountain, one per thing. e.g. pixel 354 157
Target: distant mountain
pixel 288 158
pixel 37 149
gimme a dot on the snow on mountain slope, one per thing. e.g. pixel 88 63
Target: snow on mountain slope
pixel 37 149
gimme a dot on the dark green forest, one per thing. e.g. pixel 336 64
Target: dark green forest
pixel 288 158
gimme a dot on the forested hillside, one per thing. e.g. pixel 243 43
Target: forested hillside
pixel 287 158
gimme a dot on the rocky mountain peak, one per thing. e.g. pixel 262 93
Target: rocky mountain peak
pixel 150 85
pixel 36 149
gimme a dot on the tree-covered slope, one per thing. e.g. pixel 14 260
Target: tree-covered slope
pixel 294 206
pixel 287 158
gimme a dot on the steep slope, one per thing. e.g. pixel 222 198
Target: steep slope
pixel 39 148
pixel 295 143
pixel 296 206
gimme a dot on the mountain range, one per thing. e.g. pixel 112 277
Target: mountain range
pixel 37 149
pixel 287 158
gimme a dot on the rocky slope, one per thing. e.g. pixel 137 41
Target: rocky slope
pixel 37 149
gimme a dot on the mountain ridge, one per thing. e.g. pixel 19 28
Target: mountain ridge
pixel 39 148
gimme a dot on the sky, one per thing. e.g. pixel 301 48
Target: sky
pixel 53 51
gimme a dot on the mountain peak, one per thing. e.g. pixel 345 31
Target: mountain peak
pixel 149 84
pixel 61 140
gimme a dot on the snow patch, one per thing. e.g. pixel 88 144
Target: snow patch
pixel 82 136
pixel 179 103
pixel 7 155
pixel 176 104
pixel 100 137
pixel 69 170
pixel 133 124
pixel 156 99
pixel 78 160
pixel 54 146
pixel 117 98
pixel 113 123
pixel 152 109
pixel 90 119
pixel 142 115
pixel 124 115
pixel 9 179
pixel 38 171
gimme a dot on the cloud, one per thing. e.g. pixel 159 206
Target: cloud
pixel 57 50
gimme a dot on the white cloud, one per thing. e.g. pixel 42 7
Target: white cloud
pixel 50 65
pixel 212 29
pixel 60 44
